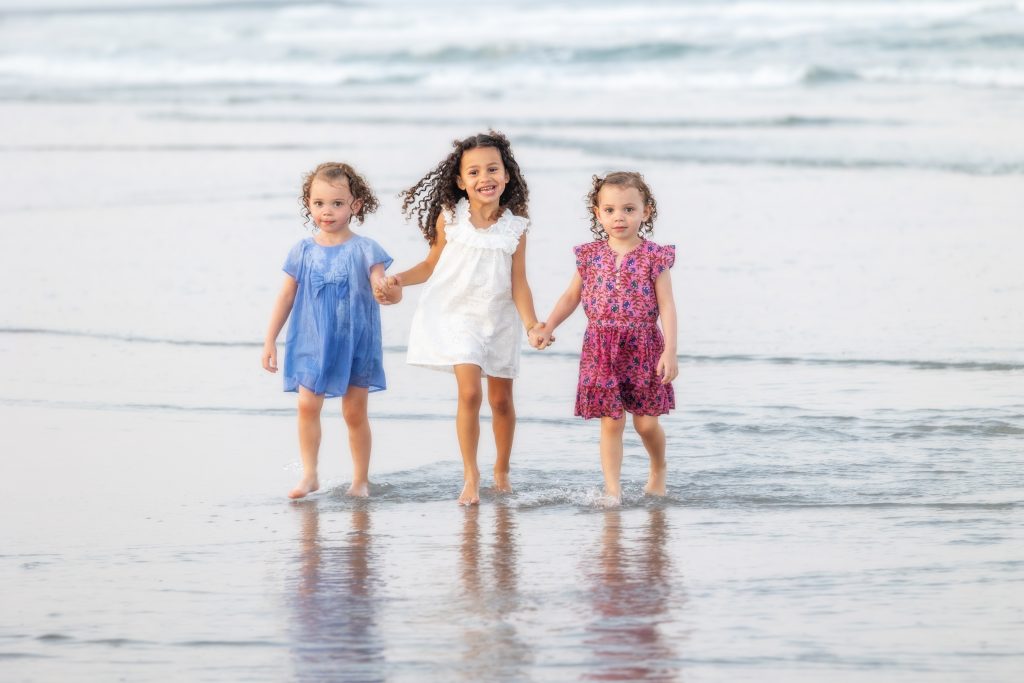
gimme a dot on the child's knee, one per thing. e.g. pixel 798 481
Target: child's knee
pixel 646 426
pixel 309 405
pixel 501 404
pixel 613 426
pixel 354 413
pixel 470 397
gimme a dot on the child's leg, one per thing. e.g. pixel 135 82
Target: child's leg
pixel 353 409
pixel 467 426
pixel 653 436
pixel 309 441
pixel 611 455
pixel 503 420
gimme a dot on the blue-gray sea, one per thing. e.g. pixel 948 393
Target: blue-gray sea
pixel 844 182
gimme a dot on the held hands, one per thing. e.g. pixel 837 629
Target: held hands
pixel 668 367
pixel 387 290
pixel 269 357
pixel 540 336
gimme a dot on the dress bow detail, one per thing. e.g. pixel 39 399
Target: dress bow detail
pixel 321 280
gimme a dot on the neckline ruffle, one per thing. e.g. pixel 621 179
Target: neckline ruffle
pixel 503 234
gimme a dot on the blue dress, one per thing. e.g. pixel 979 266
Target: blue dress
pixel 333 337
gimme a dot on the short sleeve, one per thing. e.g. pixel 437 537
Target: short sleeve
pixel 373 254
pixel 293 262
pixel 579 250
pixel 512 228
pixel 451 216
pixel 520 226
pixel 448 216
pixel 664 257
pixel 584 257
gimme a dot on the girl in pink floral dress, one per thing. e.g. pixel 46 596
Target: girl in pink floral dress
pixel 627 363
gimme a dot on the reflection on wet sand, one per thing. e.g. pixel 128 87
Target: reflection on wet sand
pixel 336 635
pixel 493 649
pixel 632 595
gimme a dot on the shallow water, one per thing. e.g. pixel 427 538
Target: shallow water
pixel 330 589
pixel 837 535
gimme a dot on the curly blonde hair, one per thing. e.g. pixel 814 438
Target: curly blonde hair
pixel 332 172
pixel 621 179
pixel 438 190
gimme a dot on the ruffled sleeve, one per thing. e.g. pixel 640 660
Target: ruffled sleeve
pixel 373 254
pixel 293 263
pixel 517 225
pixel 663 257
pixel 584 256
pixel 456 216
pixel 578 250
pixel 513 228
pixel 452 222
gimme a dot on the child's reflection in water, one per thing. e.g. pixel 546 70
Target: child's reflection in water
pixel 336 635
pixel 493 649
pixel 632 596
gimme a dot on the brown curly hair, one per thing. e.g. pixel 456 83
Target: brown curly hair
pixel 438 189
pixel 332 172
pixel 621 179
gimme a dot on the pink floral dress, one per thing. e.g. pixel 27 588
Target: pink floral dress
pixel 623 343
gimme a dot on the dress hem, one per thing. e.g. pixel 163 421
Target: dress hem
pixel 623 414
pixel 371 388
pixel 449 367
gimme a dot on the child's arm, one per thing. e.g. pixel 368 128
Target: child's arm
pixel 391 290
pixel 668 365
pixel 282 309
pixel 522 295
pixel 564 307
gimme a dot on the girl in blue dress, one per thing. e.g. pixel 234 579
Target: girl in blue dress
pixel 333 346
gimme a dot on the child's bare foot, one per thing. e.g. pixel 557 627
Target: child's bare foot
pixel 305 487
pixel 656 482
pixel 502 482
pixel 470 493
pixel 359 489
pixel 610 499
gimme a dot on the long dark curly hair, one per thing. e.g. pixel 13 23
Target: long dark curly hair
pixel 621 179
pixel 438 190
pixel 332 171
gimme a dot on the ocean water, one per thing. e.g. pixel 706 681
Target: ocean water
pixel 843 181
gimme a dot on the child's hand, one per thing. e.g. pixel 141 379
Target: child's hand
pixel 668 367
pixel 270 357
pixel 380 289
pixel 540 336
pixel 388 290
pixel 393 291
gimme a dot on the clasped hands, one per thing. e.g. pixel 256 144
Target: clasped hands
pixel 540 336
pixel 387 290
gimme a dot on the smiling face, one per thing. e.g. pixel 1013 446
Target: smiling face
pixel 482 175
pixel 620 210
pixel 331 205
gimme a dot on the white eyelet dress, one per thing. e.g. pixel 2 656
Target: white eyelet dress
pixel 465 313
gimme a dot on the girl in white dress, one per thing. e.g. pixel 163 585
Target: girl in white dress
pixel 472 210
